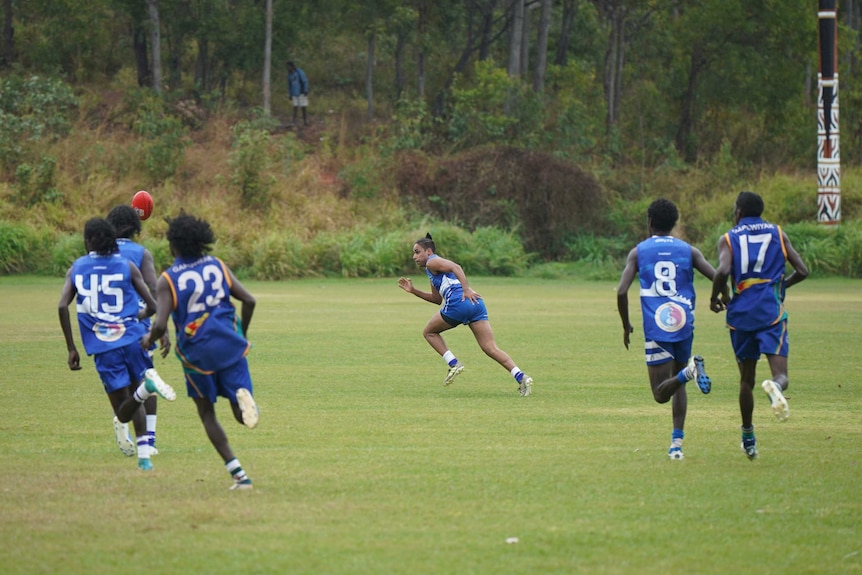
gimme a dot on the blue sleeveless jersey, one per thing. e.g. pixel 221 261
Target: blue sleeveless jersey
pixel 107 302
pixel 667 292
pixel 448 285
pixel 757 275
pixel 134 252
pixel 209 335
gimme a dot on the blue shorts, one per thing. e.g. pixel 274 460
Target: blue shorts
pixel 224 382
pixel 464 312
pixel 773 340
pixel 122 367
pixel 659 352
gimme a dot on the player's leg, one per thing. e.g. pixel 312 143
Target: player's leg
pixel 432 330
pixel 746 351
pixel 218 438
pixel 773 342
pixel 127 409
pixel 776 386
pixel 234 383
pixel 747 373
pixel 666 385
pixel 435 326
pixel 151 409
pixel 485 338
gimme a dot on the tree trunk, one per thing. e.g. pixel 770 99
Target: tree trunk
pixel 176 40
pixel 267 60
pixel 142 62
pixel 421 29
pixel 614 59
pixel 155 43
pixel 561 56
pixel 516 37
pixel 8 55
pixel 369 75
pixel 420 73
pixel 542 46
pixel 486 29
pixel 400 82
pixel 686 121
pixel 202 66
pixel 440 100
pixel 851 19
pixel 525 41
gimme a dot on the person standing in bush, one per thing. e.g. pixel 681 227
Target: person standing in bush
pixel 665 266
pixel 210 340
pixel 297 86
pixel 106 288
pixel 461 305
pixel 127 225
pixel 753 254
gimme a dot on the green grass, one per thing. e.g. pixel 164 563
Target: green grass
pixel 364 464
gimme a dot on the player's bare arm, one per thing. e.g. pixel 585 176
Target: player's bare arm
pixel 238 291
pixel 720 294
pixel 164 306
pixel 626 279
pixel 440 265
pixel 702 265
pixel 432 297
pixel 800 270
pixel 143 290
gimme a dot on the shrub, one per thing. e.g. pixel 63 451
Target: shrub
pixel 36 183
pixel 164 136
pixel 829 250
pixel 32 109
pixel 66 250
pixel 544 198
pixel 279 257
pixel 249 162
pixel 16 248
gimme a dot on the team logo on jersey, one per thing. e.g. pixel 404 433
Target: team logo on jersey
pixel 109 331
pixel 670 317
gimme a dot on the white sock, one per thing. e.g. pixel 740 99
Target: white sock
pixel 449 358
pixel 143 447
pixel 235 469
pixel 516 371
pixel 151 429
pixel 141 394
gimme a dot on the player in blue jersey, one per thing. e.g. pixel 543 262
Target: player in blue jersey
pixel 106 287
pixel 127 225
pixel 665 266
pixel 461 305
pixel 753 254
pixel 210 340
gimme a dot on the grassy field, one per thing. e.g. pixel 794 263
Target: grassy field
pixel 364 464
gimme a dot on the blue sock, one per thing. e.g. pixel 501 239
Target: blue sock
pixel 677 434
pixel 681 376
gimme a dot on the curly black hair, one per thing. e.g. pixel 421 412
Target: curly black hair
pixel 749 204
pixel 100 237
pixel 663 215
pixel 189 236
pixel 125 220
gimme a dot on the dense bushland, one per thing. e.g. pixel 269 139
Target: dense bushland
pixel 348 198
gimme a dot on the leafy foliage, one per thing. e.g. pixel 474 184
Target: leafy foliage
pixel 32 109
pixel 163 137
pixel 250 162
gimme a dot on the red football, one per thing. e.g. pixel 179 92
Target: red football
pixel 143 204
